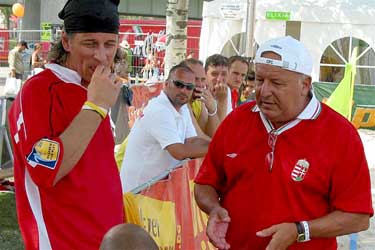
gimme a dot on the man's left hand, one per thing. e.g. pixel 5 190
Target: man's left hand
pixel 283 235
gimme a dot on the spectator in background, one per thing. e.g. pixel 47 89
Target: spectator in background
pixel 216 68
pixel 119 111
pixel 128 54
pixel 37 62
pixel 15 60
pixel 36 57
pixel 68 187
pixel 164 135
pixel 238 67
pixel 151 67
pixel 202 103
pixel 247 89
pixel 121 65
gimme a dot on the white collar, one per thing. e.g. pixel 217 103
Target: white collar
pixel 65 74
pixel 310 112
pixel 165 98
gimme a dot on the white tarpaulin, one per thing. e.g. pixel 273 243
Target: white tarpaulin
pixel 220 24
pixel 322 22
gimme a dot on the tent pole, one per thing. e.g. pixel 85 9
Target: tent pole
pixel 250 25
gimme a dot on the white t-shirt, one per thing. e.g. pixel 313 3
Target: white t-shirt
pixel 160 126
pixel 229 100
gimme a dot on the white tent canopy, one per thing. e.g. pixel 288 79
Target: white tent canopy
pixel 322 22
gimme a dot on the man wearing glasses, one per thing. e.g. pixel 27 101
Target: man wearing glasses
pixel 164 135
pixel 203 104
pixel 284 172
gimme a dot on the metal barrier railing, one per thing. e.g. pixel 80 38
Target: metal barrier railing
pixel 6 153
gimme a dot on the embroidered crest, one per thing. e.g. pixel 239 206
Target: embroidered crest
pixel 233 155
pixel 300 170
pixel 44 153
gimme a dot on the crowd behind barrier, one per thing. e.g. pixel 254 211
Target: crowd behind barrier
pixel 9 39
pixel 145 51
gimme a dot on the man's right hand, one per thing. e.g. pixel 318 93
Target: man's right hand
pixel 217 226
pixel 220 92
pixel 103 90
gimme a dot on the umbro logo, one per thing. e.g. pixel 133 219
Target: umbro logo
pixel 233 155
pixel 276 46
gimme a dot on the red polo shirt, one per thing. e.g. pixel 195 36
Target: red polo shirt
pixel 319 167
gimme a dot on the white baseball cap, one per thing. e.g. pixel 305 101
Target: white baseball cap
pixel 294 56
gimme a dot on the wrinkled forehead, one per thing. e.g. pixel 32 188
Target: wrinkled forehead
pixel 268 70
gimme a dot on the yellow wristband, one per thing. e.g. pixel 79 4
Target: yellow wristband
pixel 92 106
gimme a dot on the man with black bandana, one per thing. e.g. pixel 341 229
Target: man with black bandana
pixel 68 186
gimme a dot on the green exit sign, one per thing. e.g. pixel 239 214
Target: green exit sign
pixel 278 15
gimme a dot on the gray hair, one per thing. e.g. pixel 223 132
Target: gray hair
pixel 302 78
pixel 182 66
pixel 193 61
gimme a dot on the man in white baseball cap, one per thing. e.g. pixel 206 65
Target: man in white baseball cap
pixel 287 172
pixel 294 56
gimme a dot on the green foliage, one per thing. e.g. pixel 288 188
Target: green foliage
pixel 10 237
pixel 7 11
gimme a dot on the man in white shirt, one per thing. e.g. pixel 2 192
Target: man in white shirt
pixel 15 60
pixel 164 135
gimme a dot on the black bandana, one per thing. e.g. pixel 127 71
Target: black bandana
pixel 86 16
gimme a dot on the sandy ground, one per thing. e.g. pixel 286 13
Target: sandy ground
pixel 365 240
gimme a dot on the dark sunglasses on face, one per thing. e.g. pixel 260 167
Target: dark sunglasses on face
pixel 180 84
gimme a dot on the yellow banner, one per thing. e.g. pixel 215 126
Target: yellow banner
pixel 199 222
pixel 158 218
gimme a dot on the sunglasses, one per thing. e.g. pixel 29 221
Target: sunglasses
pixel 180 84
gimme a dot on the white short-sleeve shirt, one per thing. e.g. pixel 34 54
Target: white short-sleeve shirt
pixel 160 126
pixel 229 100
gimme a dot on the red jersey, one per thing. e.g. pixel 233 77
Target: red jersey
pixel 319 166
pixel 87 202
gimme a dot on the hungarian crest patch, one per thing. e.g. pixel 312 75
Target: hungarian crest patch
pixel 300 170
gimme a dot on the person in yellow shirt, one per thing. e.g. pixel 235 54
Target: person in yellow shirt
pixel 247 89
pixel 203 104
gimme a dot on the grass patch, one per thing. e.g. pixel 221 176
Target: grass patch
pixel 10 237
